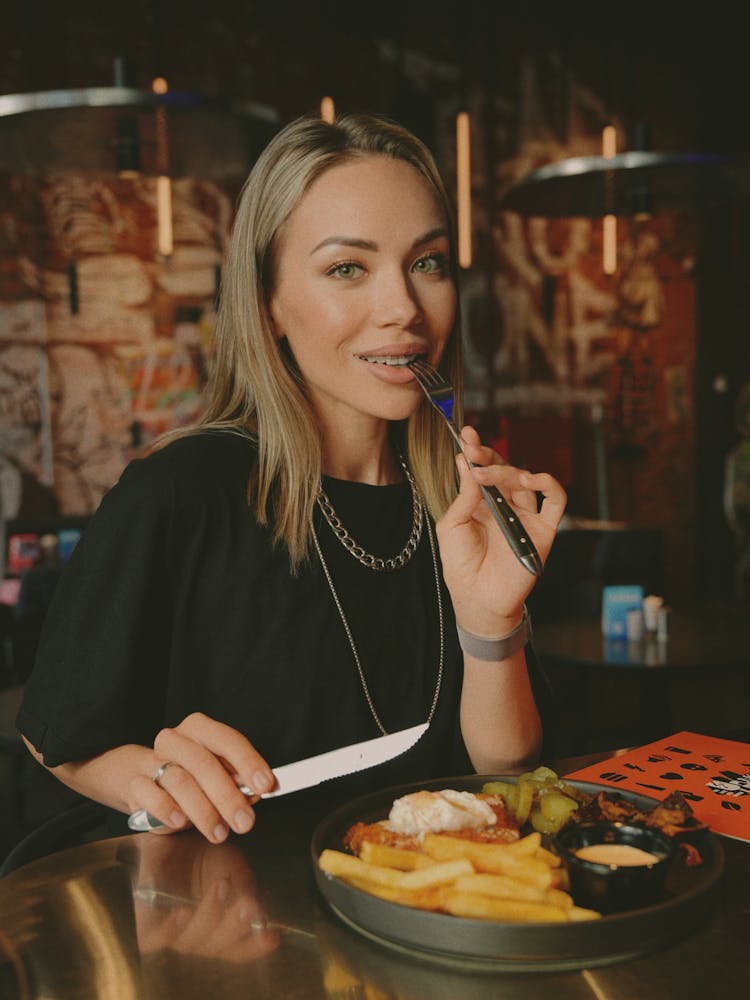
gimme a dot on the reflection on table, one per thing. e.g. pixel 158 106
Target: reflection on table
pixel 698 678
pixel 147 916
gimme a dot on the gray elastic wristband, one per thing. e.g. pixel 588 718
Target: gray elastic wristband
pixel 495 649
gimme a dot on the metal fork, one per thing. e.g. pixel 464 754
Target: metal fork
pixel 441 394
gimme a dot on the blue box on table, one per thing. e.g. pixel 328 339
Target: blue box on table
pixel 616 602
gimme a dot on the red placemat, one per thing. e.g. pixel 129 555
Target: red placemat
pixel 713 775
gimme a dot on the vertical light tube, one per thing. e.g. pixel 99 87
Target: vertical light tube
pixel 463 187
pixel 327 110
pixel 165 239
pixel 609 223
pixel 164 234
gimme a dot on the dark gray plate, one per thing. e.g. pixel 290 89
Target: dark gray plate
pixel 688 901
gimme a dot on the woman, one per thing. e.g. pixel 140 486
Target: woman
pixel 227 609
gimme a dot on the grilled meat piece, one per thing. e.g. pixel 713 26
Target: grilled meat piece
pixel 674 816
pixel 504 831
pixel 609 806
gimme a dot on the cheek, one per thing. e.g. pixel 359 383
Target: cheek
pixel 444 311
pixel 317 322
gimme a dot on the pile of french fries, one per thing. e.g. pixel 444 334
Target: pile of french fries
pixel 515 882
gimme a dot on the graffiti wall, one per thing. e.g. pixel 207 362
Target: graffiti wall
pixel 104 343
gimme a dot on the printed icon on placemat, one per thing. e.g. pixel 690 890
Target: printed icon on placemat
pixel 712 773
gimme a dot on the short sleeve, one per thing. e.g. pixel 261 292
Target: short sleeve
pixel 101 668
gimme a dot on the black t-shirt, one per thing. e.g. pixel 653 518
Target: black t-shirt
pixel 176 600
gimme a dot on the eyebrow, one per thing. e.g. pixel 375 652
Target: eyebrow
pixel 352 241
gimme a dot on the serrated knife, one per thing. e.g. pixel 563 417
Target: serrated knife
pixel 315 770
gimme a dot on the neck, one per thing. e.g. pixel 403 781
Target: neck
pixel 361 458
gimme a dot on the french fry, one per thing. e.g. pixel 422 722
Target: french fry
pixel 530 844
pixel 559 898
pixel 438 874
pixel 491 858
pixel 469 904
pixel 548 857
pixel 500 886
pixel 581 913
pixel 348 867
pixel 421 899
pixel 504 887
pixel 393 857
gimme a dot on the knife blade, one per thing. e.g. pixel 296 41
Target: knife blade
pixel 314 770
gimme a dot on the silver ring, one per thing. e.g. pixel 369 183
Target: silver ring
pixel 156 777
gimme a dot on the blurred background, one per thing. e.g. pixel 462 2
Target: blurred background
pixel 624 378
pixel 603 303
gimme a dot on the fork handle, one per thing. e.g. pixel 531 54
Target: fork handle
pixel 509 522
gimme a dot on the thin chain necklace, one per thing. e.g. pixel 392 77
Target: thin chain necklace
pixel 345 623
pixel 361 554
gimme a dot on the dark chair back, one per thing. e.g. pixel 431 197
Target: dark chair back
pixel 81 823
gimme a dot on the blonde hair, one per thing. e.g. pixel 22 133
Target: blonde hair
pixel 255 387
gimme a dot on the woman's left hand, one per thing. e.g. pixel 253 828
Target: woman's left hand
pixel 488 584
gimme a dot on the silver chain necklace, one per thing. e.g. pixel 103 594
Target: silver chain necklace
pixel 348 631
pixel 362 555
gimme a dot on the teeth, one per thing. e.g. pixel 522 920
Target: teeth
pixel 399 360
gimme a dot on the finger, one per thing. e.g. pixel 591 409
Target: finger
pixel 523 488
pixel 507 480
pixel 203 788
pixel 463 508
pixel 209 929
pixel 243 760
pixel 257 937
pixel 554 496
pixel 476 452
pixel 157 801
pixel 157 929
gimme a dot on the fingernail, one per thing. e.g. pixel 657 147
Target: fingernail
pixel 261 781
pixel 220 832
pixel 243 821
pixel 177 818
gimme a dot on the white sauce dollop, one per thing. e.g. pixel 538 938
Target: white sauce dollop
pixel 438 812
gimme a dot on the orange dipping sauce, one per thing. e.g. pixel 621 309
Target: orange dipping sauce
pixel 616 855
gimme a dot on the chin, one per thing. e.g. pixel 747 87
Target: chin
pixel 396 413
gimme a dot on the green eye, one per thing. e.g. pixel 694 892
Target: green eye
pixel 346 270
pixel 433 263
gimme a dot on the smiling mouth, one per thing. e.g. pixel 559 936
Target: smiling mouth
pixel 392 360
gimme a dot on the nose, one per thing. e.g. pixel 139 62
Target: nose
pixel 397 303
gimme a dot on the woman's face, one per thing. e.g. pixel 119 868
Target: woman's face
pixel 362 284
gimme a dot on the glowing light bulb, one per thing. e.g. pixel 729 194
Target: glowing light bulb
pixel 463 187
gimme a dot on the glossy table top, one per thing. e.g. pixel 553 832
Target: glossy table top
pixel 718 638
pixel 148 917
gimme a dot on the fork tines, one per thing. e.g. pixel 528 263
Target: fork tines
pixel 439 392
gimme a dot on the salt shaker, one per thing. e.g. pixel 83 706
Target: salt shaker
pixel 661 624
pixel 651 607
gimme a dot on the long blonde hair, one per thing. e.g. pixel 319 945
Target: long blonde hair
pixel 255 387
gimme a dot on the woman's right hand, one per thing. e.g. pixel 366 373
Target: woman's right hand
pixel 200 899
pixel 207 762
